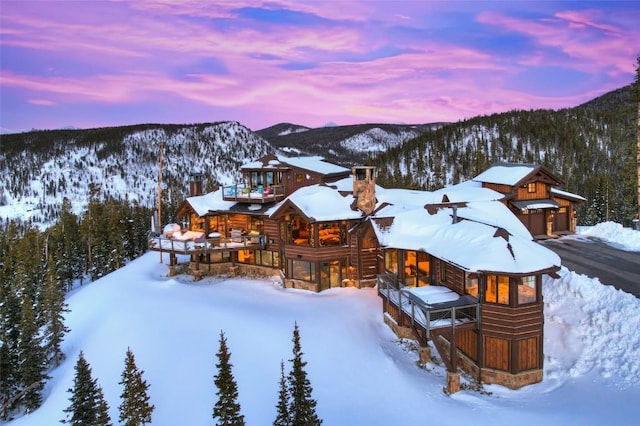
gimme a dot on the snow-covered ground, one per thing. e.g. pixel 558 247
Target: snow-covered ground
pixel 360 372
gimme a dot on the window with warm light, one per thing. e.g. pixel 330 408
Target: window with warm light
pixel 531 188
pixel 527 290
pixel 471 285
pixel 497 289
pixel 391 260
pixel 302 270
pixel 299 177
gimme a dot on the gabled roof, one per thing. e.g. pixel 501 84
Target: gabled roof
pixel 319 203
pixel 502 247
pixel 313 163
pixel 514 174
pixel 567 195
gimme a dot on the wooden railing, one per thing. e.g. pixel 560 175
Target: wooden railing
pixel 247 194
pixel 161 243
pixel 422 317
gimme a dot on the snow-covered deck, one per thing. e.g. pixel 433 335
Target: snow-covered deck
pixel 427 307
pixel 181 246
pixel 259 194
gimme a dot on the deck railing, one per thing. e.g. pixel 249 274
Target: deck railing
pixel 257 194
pixel 425 317
pixel 162 243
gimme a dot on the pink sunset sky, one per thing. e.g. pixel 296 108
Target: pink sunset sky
pixel 101 63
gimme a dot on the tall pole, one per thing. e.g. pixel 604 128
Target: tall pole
pixel 160 195
pixel 637 99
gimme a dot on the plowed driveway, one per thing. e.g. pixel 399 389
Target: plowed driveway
pixel 594 258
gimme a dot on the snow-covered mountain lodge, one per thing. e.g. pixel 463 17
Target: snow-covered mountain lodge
pixel 458 267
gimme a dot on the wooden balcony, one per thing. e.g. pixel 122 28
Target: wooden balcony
pixel 209 245
pixel 242 193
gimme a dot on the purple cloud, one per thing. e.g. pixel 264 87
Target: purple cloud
pixel 261 63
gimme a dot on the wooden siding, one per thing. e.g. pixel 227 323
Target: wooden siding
pixel 527 355
pixel 311 254
pixel 497 353
pixel 542 191
pixel 503 189
pixel 272 232
pixel 454 279
pixel 467 342
pixel 512 322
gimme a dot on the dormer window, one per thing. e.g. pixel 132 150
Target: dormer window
pixel 531 188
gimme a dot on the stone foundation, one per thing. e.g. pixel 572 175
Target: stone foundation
pixel 424 354
pixel 401 332
pixel 512 381
pixel 453 382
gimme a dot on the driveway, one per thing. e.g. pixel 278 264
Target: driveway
pixel 594 258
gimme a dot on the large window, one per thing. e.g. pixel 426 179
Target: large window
pixel 246 256
pixel 301 232
pixel 391 261
pixel 332 234
pixel 416 268
pixel 302 270
pixel 332 273
pixel 497 289
pixel 527 290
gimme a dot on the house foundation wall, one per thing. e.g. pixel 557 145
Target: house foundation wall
pixel 512 381
pixel 466 364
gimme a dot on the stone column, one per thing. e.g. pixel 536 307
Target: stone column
pixel 453 382
pixel 424 352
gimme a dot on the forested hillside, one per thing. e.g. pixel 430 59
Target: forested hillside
pixel 40 168
pixel 345 145
pixel 591 147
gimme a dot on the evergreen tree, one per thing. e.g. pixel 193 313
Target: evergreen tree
pixel 135 409
pixel 32 365
pixel 88 406
pixel 227 409
pixel 302 407
pixel 54 307
pixel 102 409
pixel 282 415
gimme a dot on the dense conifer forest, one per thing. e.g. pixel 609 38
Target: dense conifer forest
pixel 591 147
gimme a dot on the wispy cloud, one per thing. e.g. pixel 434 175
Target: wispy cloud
pixel 307 61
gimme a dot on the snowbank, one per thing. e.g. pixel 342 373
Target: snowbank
pixel 616 235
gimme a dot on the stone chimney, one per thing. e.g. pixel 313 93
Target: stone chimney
pixel 364 188
pixel 195 184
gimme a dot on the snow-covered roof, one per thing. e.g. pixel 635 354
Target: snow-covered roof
pixel 505 174
pixel 470 244
pixel 201 204
pixel 536 204
pixel 322 203
pixel 566 194
pixel 312 163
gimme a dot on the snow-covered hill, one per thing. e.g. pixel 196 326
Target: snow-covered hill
pixel 36 178
pixel 379 140
pixel 360 372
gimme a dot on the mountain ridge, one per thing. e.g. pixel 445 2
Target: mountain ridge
pixel 40 168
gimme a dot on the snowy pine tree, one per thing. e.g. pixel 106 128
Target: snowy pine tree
pixel 227 409
pixel 88 406
pixel 54 307
pixel 282 408
pixel 135 409
pixel 302 407
pixel 33 365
